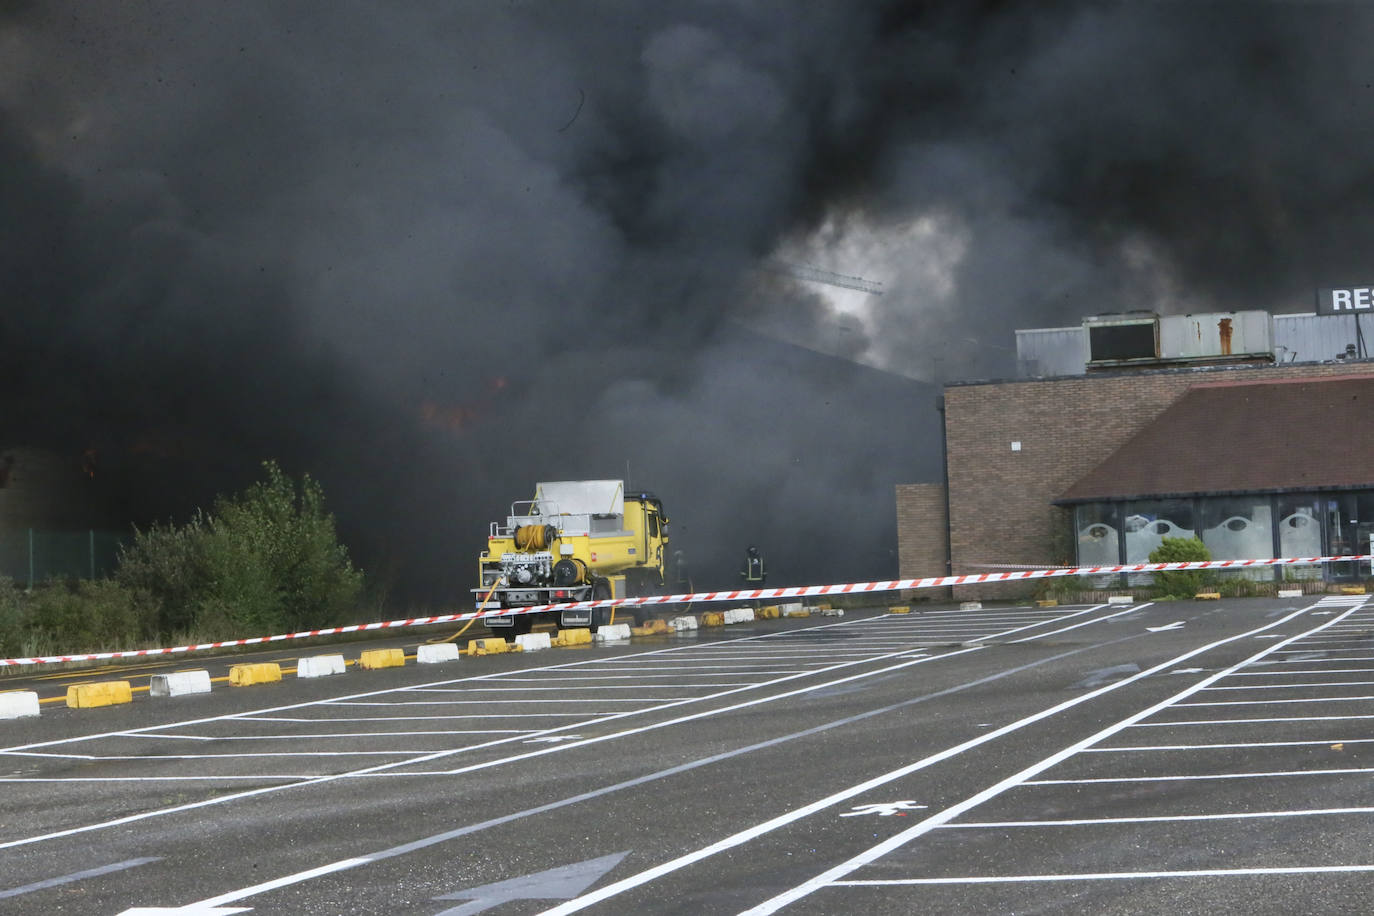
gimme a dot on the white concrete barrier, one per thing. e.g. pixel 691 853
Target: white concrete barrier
pixel 179 683
pixel 1121 599
pixel 320 666
pixel 791 607
pixel 682 624
pixel 612 631
pixel 1290 593
pixel 832 612
pixel 434 653
pixel 534 642
pixel 971 606
pixel 16 704
pixel 739 615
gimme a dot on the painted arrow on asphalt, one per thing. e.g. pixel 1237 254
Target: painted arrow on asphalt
pixel 562 883
pixel 1177 624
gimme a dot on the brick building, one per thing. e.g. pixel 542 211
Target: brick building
pixel 1256 459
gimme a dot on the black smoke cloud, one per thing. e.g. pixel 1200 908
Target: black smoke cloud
pixel 432 255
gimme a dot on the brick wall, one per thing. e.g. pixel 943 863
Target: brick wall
pixel 1000 500
pixel 921 533
pixel 920 530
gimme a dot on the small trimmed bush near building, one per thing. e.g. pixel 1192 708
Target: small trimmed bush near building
pixel 1181 583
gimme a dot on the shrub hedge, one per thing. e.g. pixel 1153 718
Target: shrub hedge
pixel 267 560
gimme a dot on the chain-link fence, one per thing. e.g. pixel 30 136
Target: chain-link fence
pixel 31 555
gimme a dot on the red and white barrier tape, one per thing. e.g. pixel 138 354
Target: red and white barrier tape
pixel 806 591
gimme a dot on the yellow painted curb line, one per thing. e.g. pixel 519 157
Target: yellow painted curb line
pixel 490 645
pixel 1208 596
pixel 1047 602
pixel 254 673
pixel 383 658
pixel 577 636
pixel 1352 590
pixel 899 610
pixel 100 693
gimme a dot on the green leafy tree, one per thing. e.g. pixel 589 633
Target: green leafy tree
pixel 1180 583
pixel 266 559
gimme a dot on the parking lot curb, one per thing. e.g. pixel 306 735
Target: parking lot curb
pixel 99 693
pixel 248 675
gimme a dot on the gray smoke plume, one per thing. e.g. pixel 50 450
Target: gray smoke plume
pixel 435 253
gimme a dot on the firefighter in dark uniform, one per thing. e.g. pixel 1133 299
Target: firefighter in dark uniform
pixel 753 571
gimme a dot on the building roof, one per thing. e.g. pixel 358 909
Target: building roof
pixel 1245 437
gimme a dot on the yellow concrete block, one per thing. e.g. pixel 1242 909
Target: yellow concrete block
pixel 576 636
pixel 899 610
pixel 656 627
pixel 804 612
pixel 768 612
pixel 1208 596
pixel 824 606
pixel 491 645
pixel 713 619
pixel 1352 590
pixel 99 693
pixel 256 673
pixel 383 658
pixel 1047 602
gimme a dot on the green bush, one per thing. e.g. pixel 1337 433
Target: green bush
pixel 267 559
pixel 1180 583
pixel 69 617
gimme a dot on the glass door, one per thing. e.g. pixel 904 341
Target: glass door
pixel 1344 534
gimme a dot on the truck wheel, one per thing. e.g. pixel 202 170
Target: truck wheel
pixel 601 616
pixel 521 625
pixel 601 590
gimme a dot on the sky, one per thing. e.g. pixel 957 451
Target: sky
pixel 434 253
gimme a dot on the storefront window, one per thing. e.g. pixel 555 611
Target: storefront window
pixel 1300 533
pixel 1099 539
pixel 1148 523
pixel 1239 528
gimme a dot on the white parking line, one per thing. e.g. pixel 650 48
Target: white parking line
pixel 558 748
pixel 1292 673
pixel 425 842
pixel 1296 686
pixel 1084 623
pixel 1159 819
pixel 800 812
pixel 1345 771
pixel 399 752
pixel 841 871
pixel 1360 699
pixel 76 876
pixel 1110 876
pixel 1223 746
pixel 1262 721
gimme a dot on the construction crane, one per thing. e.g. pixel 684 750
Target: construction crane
pixel 829 277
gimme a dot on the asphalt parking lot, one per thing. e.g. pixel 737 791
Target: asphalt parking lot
pixel 1188 756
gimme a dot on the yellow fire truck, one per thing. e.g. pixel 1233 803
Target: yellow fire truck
pixel 575 540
